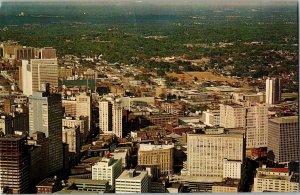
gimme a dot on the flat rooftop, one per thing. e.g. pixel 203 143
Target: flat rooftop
pixel 286 119
pixel 137 175
pixel 150 147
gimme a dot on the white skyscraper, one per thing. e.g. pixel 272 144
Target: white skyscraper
pixel 110 116
pixel 273 90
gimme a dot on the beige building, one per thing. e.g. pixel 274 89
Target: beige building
pixel 84 106
pixel 161 155
pixel 226 186
pixel 207 149
pixel 275 180
pixel 69 106
pixel 81 122
pixel 252 117
pixel 71 136
pixel 44 71
pixel 284 139
pixel 110 116
pixel 232 169
pixel 132 181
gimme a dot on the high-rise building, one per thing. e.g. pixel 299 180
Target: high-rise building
pixel 36 73
pixel 107 169
pixel 8 102
pixel 211 117
pixel 161 155
pixel 81 122
pixel 110 116
pixel 275 180
pixel 26 53
pixel 207 149
pixel 71 136
pixel 14 164
pixel 132 181
pixel 273 90
pixel 44 71
pixel 45 115
pixel 252 117
pixel 284 139
pixel 84 107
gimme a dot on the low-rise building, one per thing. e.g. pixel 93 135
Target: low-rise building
pixel 107 169
pixel 275 180
pixel 132 181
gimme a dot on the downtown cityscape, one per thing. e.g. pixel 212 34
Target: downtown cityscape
pixel 128 96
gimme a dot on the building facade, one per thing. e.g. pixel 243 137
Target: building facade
pixel 107 169
pixel 284 139
pixel 273 90
pixel 132 181
pixel 161 155
pixel 14 164
pixel 206 150
pixel 275 180
pixel 45 115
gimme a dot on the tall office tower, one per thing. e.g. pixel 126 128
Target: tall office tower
pixel 117 117
pixel 132 181
pixel 37 72
pixel 110 116
pixel 44 71
pixel 161 155
pixel 207 149
pixel 252 117
pixel 273 90
pixel 107 169
pixel 84 106
pixel 14 164
pixel 48 53
pixel 284 139
pixel 45 115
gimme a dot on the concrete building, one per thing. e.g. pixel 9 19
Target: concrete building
pixel 273 91
pixel 161 155
pixel 211 117
pixel 232 169
pixel 71 136
pixel 207 149
pixel 110 116
pixel 36 73
pixel 252 117
pixel 48 186
pixel 122 153
pixel 69 107
pixel 44 71
pixel 45 115
pixel 14 164
pixel 275 180
pixel 132 181
pixel 84 106
pixel 107 169
pixel 81 122
pixel 226 186
pixel 284 139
